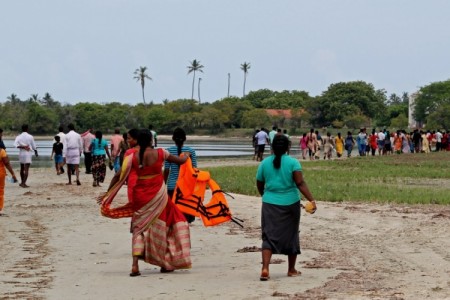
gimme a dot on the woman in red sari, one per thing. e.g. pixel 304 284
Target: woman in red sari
pixel 160 231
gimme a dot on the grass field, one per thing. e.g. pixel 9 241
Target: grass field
pixel 405 178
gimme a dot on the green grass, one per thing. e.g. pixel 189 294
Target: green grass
pixel 405 178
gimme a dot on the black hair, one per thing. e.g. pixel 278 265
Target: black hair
pixel 60 128
pixel 99 135
pixel 57 138
pixel 179 137
pixel 1 130
pixel 144 140
pixel 71 126
pixel 24 127
pixel 280 146
pixel 134 133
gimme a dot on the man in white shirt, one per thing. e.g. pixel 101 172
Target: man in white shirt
pixel 25 143
pixel 381 141
pixel 72 153
pixel 262 138
pixel 439 136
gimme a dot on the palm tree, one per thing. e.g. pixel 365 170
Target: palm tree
pixel 140 75
pixel 195 66
pixel 245 67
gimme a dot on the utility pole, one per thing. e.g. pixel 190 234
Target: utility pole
pixel 228 95
pixel 199 79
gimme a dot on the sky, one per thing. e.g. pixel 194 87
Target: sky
pixel 87 50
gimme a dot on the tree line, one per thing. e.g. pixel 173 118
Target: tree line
pixel 343 105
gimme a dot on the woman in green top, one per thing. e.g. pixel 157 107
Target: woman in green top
pixel 279 179
pixel 99 150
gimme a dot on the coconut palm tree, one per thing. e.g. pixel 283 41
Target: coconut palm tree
pixel 245 67
pixel 195 66
pixel 141 75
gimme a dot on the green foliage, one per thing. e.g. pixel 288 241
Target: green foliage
pixel 440 118
pixel 399 122
pixel 345 99
pixel 430 100
pixel 387 179
pixel 256 118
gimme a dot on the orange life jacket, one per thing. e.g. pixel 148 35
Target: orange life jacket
pixel 189 196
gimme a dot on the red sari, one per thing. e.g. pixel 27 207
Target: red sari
pixel 160 231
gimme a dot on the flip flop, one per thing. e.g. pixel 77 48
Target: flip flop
pixel 164 270
pixel 264 276
pixel 134 274
pixel 78 182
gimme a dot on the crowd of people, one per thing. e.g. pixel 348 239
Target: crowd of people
pixel 314 146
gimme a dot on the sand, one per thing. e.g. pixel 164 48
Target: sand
pixel 55 245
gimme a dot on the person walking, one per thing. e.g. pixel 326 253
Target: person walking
pixel 171 170
pixel 4 165
pixel 116 139
pixel 154 136
pixel 72 153
pixel 87 138
pixel 25 143
pixel 312 144
pixel 160 233
pixel 2 145
pixel 349 143
pixel 328 145
pixel 99 149
pixel 62 139
pixel 262 138
pixel 57 151
pixel 279 179
pixel 304 145
pixel 339 142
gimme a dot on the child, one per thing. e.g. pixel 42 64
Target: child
pixel 57 151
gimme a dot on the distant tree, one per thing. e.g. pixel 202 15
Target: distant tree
pixel 256 98
pixel 245 67
pixel 13 98
pixel 345 99
pixel 394 99
pixel 256 118
pixel 405 97
pixel 141 76
pixel 48 101
pixel 34 98
pixel 194 67
pixel 430 99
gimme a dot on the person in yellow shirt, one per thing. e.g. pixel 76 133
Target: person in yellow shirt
pixel 339 142
pixel 4 164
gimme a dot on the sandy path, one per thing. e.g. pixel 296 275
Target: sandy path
pixel 55 245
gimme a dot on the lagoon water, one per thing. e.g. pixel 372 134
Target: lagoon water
pixel 203 149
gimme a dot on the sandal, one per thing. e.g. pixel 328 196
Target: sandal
pixel 264 276
pixel 134 274
pixel 78 182
pixel 164 270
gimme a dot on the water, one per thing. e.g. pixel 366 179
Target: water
pixel 215 149
pixel 203 149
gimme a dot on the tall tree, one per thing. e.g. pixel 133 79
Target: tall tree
pixel 194 67
pixel 245 67
pixel 141 75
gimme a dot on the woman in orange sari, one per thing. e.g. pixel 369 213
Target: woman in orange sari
pixel 160 232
